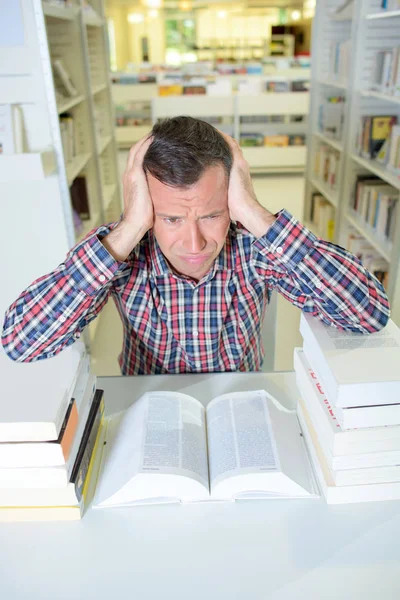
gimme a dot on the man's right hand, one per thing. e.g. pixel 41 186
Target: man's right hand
pixel 138 214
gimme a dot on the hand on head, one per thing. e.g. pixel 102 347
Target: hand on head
pixel 138 207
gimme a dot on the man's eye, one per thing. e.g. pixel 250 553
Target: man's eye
pixel 171 220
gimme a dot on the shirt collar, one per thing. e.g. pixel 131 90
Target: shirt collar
pixel 225 261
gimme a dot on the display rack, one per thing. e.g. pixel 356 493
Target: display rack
pixel 370 29
pixel 74 33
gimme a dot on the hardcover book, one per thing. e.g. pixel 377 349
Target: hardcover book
pixel 168 448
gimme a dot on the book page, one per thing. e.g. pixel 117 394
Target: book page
pixel 155 452
pixel 175 436
pixel 240 437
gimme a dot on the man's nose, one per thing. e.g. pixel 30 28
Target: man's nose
pixel 194 241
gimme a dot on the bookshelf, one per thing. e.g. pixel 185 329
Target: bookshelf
pixel 69 135
pixel 348 71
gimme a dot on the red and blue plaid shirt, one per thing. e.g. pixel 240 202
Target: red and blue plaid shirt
pixel 175 325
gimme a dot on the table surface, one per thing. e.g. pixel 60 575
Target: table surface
pixel 275 549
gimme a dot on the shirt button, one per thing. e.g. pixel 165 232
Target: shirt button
pixel 279 250
pixel 62 319
pixel 195 334
pixel 102 278
pixel 198 364
pixel 318 285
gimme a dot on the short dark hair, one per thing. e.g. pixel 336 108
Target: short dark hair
pixel 182 149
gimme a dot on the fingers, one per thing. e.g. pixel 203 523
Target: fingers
pixel 138 151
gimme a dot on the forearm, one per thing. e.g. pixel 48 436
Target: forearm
pixel 54 309
pixel 122 240
pixel 321 278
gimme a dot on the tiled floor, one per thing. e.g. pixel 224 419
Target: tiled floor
pixel 274 193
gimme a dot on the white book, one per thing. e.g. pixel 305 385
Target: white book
pixel 368 416
pixel 333 493
pixel 168 448
pixel 353 448
pixel 354 369
pixel 36 395
pixel 63 451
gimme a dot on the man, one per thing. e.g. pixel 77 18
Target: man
pixel 190 266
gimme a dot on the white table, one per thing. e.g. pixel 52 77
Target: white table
pixel 267 550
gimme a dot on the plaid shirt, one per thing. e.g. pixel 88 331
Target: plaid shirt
pixel 175 325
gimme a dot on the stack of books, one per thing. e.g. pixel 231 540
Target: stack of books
pixel 51 437
pixel 349 410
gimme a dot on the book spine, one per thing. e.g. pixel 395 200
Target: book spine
pixel 85 452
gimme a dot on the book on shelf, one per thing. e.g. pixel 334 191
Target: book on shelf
pixel 170 89
pixel 168 448
pixel 339 60
pixel 68 136
pixel 390 152
pixel 353 366
pixel 326 164
pixel 375 203
pixel 250 87
pixel 297 139
pixel 12 132
pixel 374 130
pixel 390 4
pixel 195 87
pixel 219 87
pixel 277 85
pixel 322 216
pixel 68 502
pixel 386 73
pixel 331 116
pixel 276 141
pixel 39 411
pixel 300 85
pixel 80 197
pixel 251 139
pixel 62 78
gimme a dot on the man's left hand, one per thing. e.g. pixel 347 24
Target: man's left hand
pixel 242 201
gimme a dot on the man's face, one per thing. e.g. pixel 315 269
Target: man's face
pixel 191 224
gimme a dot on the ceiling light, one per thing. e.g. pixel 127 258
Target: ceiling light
pixel 153 13
pixel 221 14
pixel 152 3
pixel 296 14
pixel 135 18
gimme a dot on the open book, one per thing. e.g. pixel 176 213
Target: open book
pixel 168 448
